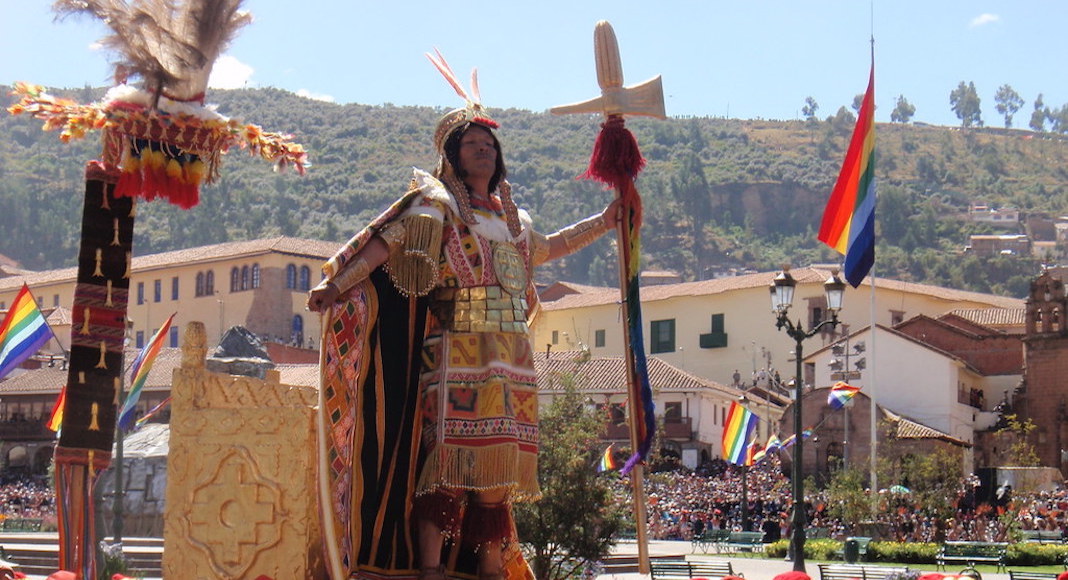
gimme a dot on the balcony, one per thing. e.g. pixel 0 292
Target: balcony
pixel 25 431
pixel 680 430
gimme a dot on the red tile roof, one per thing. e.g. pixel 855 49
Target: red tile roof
pixel 763 280
pixel 204 254
pixel 608 374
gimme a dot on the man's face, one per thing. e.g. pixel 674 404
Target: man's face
pixel 478 153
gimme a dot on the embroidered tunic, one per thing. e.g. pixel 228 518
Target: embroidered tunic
pixel 478 385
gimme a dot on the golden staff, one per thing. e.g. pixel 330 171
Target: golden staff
pixel 617 161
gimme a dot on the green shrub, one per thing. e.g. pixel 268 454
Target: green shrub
pixel 1034 554
pixel 902 552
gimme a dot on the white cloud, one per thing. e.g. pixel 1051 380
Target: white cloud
pixel 229 73
pixel 983 19
pixel 316 96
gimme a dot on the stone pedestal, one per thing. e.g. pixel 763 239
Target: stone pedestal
pixel 241 499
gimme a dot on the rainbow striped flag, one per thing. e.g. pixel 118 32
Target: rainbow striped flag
pixel 608 461
pixel 55 420
pixel 152 413
pixel 840 394
pixel 737 431
pixel 23 333
pixel 849 218
pixel 139 370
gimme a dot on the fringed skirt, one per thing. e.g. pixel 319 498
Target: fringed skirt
pixel 480 413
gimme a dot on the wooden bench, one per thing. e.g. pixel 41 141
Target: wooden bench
pixel 818 533
pixel 862 547
pixel 858 572
pixel 971 553
pixel 1027 575
pixel 745 542
pixel 709 538
pixel 1042 536
pixel 688 570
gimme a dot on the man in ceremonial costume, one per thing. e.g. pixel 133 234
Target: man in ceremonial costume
pixel 428 427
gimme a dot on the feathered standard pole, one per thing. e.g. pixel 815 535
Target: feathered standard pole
pixel 158 141
pixel 616 161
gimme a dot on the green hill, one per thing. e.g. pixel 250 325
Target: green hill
pixel 720 195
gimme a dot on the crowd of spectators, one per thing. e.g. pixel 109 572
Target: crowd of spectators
pixel 26 498
pixel 682 503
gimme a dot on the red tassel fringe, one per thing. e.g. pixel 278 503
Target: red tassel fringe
pixel 616 158
pixel 487 523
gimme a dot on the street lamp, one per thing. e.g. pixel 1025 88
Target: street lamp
pixel 782 297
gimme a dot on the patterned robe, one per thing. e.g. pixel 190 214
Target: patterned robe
pixel 389 368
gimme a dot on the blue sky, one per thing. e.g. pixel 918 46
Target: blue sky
pixel 742 59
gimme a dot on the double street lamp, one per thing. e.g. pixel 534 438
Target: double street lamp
pixel 782 297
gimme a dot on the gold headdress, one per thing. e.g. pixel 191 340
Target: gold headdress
pixel 471 112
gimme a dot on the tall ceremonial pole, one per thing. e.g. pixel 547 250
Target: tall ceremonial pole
pixel 617 161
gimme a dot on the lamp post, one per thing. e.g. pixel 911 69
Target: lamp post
pixel 782 297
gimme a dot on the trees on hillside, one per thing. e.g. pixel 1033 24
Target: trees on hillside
pixel 1008 102
pixel 1038 116
pixel 903 111
pixel 966 105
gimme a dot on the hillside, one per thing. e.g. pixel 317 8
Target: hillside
pixel 720 194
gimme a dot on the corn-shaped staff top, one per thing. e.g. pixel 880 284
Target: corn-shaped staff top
pixel 606 53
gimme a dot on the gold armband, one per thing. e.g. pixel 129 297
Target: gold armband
pixel 584 233
pixel 413 264
pixel 352 274
pixel 539 248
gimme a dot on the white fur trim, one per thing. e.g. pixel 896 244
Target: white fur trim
pixel 128 94
pixel 491 228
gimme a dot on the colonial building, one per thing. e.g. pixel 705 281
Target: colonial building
pixel 714 328
pixel 1043 393
pixel 259 284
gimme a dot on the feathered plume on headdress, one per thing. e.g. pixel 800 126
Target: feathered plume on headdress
pixel 472 112
pixel 162 138
pixel 171 46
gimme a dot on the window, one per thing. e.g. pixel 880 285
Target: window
pixel 244 278
pixel 235 283
pixel 140 339
pixel 209 283
pixel 291 277
pixel 598 338
pixel 673 412
pixel 255 275
pixel 717 338
pixel 662 336
pixel 896 317
pixel 174 288
pixel 173 337
pixel 55 300
pixel 200 284
pixel 157 290
pixel 305 278
pixel 618 413
pixel 297 336
pixel 556 337
pixel 140 292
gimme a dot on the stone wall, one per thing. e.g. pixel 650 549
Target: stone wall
pixel 241 475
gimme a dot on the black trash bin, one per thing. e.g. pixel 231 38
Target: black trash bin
pixel 851 551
